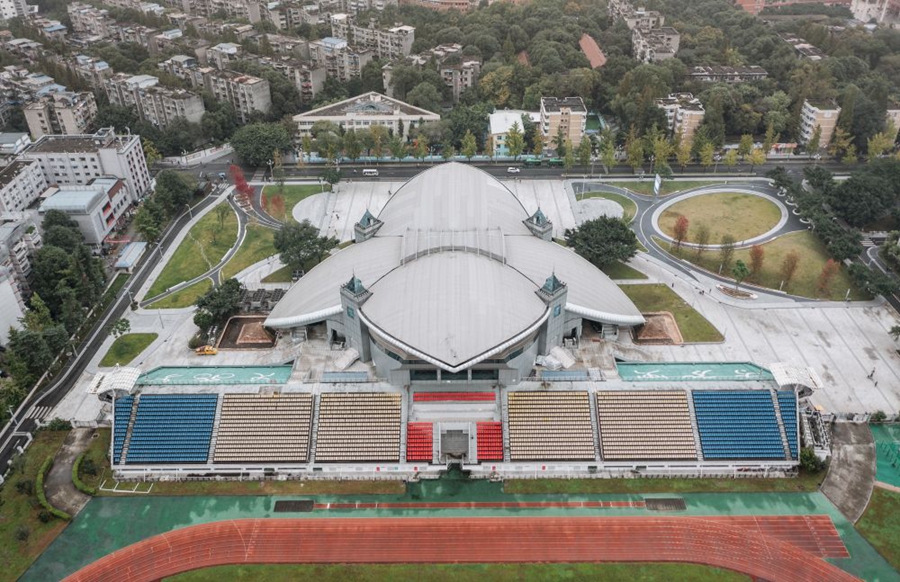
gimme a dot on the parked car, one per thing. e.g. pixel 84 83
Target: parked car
pixel 513 170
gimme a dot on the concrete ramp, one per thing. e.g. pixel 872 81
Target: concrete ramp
pixel 851 476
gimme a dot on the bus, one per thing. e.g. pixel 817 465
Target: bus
pixel 532 162
pixel 555 162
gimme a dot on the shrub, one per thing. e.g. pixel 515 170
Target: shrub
pixel 809 461
pixel 25 486
pixel 76 478
pixel 88 467
pixel 878 417
pixel 42 498
pixel 22 533
pixel 196 341
pixel 44 516
pixel 57 424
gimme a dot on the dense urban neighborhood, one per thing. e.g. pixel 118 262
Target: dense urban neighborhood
pixel 517 289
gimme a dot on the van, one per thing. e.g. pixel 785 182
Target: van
pixel 370 172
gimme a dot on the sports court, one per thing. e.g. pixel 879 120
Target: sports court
pixel 208 375
pixel 691 371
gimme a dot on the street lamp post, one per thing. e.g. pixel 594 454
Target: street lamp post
pixel 270 163
pixel 717 159
pixel 190 210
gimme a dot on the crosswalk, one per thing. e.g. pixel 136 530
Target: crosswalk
pixel 38 412
pixel 867 242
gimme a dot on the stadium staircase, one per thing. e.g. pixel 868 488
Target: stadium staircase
pixel 128 431
pixel 690 403
pixel 436 443
pixel 215 431
pixel 313 435
pixel 504 419
pixel 595 426
pixel 784 439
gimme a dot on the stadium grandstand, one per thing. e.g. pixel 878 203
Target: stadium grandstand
pixel 454 331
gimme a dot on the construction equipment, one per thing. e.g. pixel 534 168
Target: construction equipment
pixel 206 351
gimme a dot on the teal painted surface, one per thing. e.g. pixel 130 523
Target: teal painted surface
pixel 202 375
pixel 110 523
pixel 887 448
pixel 691 371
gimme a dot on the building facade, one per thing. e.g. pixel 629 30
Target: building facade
pixel 822 114
pixel 392 43
pixel 69 160
pixel 366 110
pixel 65 113
pixel 567 116
pixel 153 103
pixel 96 207
pixel 684 114
pixel 652 45
pixel 21 183
pixel 500 123
pixel 338 58
pixel 20 238
pixel 726 74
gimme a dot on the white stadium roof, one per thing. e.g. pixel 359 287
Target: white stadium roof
pixel 453 273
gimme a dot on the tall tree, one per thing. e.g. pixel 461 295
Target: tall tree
pixel 745 145
pixel 788 267
pixel 757 257
pixel 515 141
pixel 730 159
pixel 569 156
pixel 584 152
pixel 739 272
pixel 397 148
pixel 469 147
pixel 634 150
pixel 684 153
pixel 707 155
pixel 826 277
pixel 352 145
pixel 726 252
pixel 682 224
pixel 603 241
pixel 255 143
pixel 301 243
pixel 812 146
pixel 757 157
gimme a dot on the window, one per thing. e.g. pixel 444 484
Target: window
pixel 351 313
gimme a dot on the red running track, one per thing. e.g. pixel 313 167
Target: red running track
pixel 462 540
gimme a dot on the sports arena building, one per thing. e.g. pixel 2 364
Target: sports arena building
pixel 454 330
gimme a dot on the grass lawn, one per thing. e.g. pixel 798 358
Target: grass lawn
pixel 813 256
pixel 638 572
pixel 667 187
pixel 258 244
pixel 273 487
pixel 805 482
pixel 117 284
pixel 628 206
pixel 97 452
pixel 293 193
pixel 694 327
pixel 743 216
pixel 619 270
pixel 19 510
pixel 126 348
pixel 282 275
pixel 200 251
pixel 880 524
pixel 184 297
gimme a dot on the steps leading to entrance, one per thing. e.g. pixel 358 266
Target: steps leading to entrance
pixel 784 440
pixel 128 431
pixel 694 428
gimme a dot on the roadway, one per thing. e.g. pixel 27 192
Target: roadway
pixel 14 433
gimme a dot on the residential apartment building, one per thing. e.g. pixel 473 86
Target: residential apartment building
pixel 20 238
pixel 69 160
pixel 357 6
pixel 366 110
pixel 684 113
pixel 97 207
pixel 804 49
pixel 725 74
pixel 25 48
pixel 308 81
pixel 155 104
pixel 221 56
pixel 12 144
pixel 755 6
pixel 65 113
pixel 443 5
pixel 21 183
pixel 634 17
pixel 92 71
pixel 881 11
pixel 655 44
pixel 280 44
pixel 392 43
pixel 90 21
pixel 142 35
pixel 338 58
pixel 459 74
pixel 823 114
pixel 567 115
pixel 50 29
pixel 13 9
pixel 501 122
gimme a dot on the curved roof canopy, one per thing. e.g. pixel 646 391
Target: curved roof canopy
pixel 453 273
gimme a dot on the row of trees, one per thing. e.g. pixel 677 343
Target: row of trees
pixel 171 197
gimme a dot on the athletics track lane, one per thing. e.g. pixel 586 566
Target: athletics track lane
pixel 698 540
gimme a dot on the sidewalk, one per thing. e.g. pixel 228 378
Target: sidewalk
pixel 61 492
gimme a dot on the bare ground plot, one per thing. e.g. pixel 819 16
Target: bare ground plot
pixel 743 216
pixel 851 476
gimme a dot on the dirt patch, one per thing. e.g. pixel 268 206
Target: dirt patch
pixel 851 476
pixel 246 333
pixel 660 329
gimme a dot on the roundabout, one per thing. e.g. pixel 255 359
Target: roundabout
pixel 749 216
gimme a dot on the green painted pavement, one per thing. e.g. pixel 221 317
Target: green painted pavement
pixel 691 371
pixel 215 375
pixel 110 523
pixel 887 448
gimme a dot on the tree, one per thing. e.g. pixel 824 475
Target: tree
pixel 218 304
pixel 560 142
pixel 757 157
pixel 730 159
pixel 425 95
pixel 850 158
pixel 420 147
pixel 301 243
pixel 829 270
pixel 812 146
pixel 702 235
pixel 895 332
pixel 789 267
pixel 681 230
pixel 151 154
pixel 634 150
pixel 515 141
pixel 745 146
pixel 173 191
pixel 222 211
pixel 707 153
pixel 306 143
pixel 603 241
pixel 683 153
pixel 447 152
pixel 119 327
pixel 809 461
pixel 380 137
pixel 739 272
pixel 255 143
pixel 584 152
pixel 469 147
pixel 770 139
pixel 757 257
pixel 38 317
pixel 726 252
pixel 662 149
pixel 352 145
pixel 840 141
pixel 608 154
pixel 397 148
pixel 880 143
pixel 331 175
pixel 569 156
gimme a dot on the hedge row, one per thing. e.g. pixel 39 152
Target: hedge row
pixel 79 484
pixel 42 473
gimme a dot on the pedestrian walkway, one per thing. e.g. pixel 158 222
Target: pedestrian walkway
pixel 61 492
pixel 851 475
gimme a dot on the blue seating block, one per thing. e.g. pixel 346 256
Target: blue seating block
pixel 787 401
pixel 172 428
pixel 121 416
pixel 737 424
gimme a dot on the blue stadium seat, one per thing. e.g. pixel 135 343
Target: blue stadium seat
pixel 738 424
pixel 787 401
pixel 172 428
pixel 122 414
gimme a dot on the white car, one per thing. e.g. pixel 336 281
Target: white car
pixel 513 170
